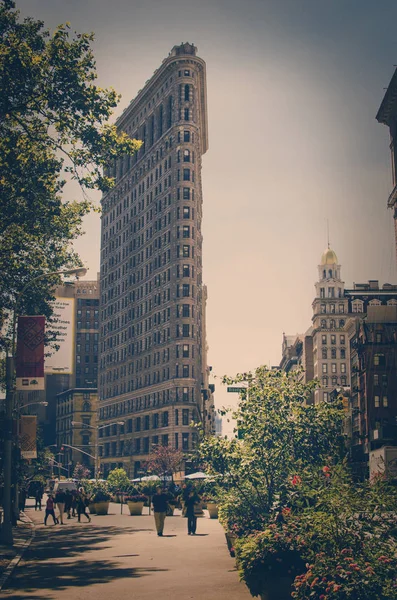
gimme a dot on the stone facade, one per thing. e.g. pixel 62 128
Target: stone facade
pixel 79 406
pixel 153 367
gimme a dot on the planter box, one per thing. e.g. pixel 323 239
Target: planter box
pixel 135 508
pixel 230 540
pixel 278 588
pixel 91 508
pixel 212 508
pixel 101 508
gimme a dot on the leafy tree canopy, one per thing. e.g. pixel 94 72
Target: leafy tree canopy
pixel 53 126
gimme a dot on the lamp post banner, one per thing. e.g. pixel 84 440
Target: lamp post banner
pixel 28 436
pixel 30 353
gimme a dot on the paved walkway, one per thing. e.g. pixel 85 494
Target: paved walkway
pixel 10 556
pixel 121 557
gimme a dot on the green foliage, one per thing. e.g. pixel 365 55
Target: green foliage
pixel 118 481
pixel 53 126
pixel 100 492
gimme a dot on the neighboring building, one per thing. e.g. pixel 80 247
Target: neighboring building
pixel 373 396
pixel 85 296
pixel 297 351
pixel 78 406
pixel 153 367
pixel 387 115
pixel 218 425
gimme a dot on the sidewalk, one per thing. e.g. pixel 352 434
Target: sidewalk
pixel 10 557
pixel 118 556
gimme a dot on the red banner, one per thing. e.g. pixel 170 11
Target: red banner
pixel 30 353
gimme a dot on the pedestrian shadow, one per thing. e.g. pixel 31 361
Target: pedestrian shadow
pixel 55 577
pixel 168 535
pixel 200 534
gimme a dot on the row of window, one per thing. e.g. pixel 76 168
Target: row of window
pixel 334 380
pixel 332 308
pixel 334 367
pixel 377 403
pixel 332 338
pixel 332 323
pixel 146 444
pixel 324 353
pixel 183 394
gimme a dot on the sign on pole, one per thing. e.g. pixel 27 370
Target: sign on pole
pixel 61 361
pixel 30 353
pixel 237 390
pixel 28 436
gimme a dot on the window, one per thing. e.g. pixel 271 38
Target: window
pixel 334 380
pixel 384 380
pixel 325 381
pixel 186 136
pixel 376 401
pixel 186 231
pixel 164 439
pixel 185 290
pixel 343 380
pixel 342 323
pixel 331 292
pixel 333 339
pixel 137 445
pixel 322 292
pixel 185 441
pixel 186 73
pixel 325 396
pixel 379 360
pixel 376 379
pixel 332 308
pixel 155 420
pixel 343 353
pixel 333 352
pixel 186 114
pixel 185 330
pixel 323 308
pixel 176 441
pixel 146 445
pixel 341 308
pixel 323 324
pixel 186 193
pixel 325 368
pixel 379 338
pixel 185 394
pixel 357 306
pixel 185 350
pixel 186 156
pixel 332 324
pixel 333 368
pixel 155 440
pixel 138 424
pixel 342 340
pixel 324 340
pixel 176 416
pixel 186 212
pixel 147 422
pixel 185 416
pixel 375 302
pixel 343 368
pixel 186 174
pixel 324 353
pixel 164 419
pixel 186 251
pixel 185 371
pixel 186 271
pixel 385 402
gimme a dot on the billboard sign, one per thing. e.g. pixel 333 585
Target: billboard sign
pixel 61 361
pixel 30 353
pixel 28 436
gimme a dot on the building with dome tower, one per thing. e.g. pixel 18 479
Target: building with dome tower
pixel 330 308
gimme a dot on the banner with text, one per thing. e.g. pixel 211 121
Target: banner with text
pixel 61 361
pixel 30 353
pixel 28 436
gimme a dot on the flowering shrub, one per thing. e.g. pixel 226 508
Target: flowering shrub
pixel 263 555
pixel 348 576
pixel 137 498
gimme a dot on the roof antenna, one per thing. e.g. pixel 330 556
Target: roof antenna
pixel 328 233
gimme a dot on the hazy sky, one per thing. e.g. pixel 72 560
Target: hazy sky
pixel 293 90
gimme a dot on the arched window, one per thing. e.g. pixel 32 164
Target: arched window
pixel 392 302
pixel 325 381
pixel 342 323
pixel 332 324
pixel 187 93
pixel 330 273
pixel 324 274
pixel 186 156
pixel 375 302
pixel 357 306
pixel 86 407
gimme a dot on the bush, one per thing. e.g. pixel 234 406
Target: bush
pixel 137 498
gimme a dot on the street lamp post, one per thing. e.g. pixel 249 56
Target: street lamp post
pixel 6 535
pixel 97 428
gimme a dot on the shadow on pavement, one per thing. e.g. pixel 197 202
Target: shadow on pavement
pixel 55 562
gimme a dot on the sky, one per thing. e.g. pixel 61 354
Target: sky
pixel 293 90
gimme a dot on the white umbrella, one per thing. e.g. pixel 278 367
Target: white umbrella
pixel 147 478
pixel 198 475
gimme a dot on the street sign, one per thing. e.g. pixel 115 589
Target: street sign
pixel 237 390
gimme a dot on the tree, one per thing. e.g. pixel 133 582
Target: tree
pixel 118 480
pixel 53 124
pixel 280 434
pixel 165 460
pixel 81 472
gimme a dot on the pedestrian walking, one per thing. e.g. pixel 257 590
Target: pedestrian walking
pixel 190 504
pixel 22 498
pixel 82 503
pixel 60 498
pixel 37 498
pixel 74 502
pixel 49 510
pixel 68 502
pixel 160 503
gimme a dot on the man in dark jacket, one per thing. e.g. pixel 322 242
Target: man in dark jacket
pixel 160 502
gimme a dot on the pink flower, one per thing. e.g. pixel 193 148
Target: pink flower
pixel 296 480
pixel 326 471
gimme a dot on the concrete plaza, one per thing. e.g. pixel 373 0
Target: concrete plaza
pixel 118 556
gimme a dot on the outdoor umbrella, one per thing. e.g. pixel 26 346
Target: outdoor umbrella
pixel 198 475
